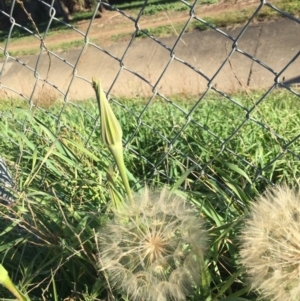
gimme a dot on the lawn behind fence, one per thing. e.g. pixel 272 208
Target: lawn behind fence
pixel 220 156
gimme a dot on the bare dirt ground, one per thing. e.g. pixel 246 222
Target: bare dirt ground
pixel 148 66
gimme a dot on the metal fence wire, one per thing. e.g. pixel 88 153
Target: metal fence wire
pixel 40 73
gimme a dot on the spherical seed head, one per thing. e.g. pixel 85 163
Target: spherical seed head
pixel 151 248
pixel 271 244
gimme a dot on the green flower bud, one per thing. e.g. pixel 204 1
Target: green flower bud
pixel 111 132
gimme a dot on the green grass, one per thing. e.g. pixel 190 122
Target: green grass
pixel 64 199
pixel 154 9
pixel 21 52
pixel 60 47
pixel 66 46
pixel 153 6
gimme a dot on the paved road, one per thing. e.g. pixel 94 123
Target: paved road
pixel 274 44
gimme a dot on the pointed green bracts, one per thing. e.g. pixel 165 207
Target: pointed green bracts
pixel 111 132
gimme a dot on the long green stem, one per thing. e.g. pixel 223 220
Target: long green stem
pixel 117 152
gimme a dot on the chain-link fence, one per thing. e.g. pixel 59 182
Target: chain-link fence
pixel 209 109
pixel 195 65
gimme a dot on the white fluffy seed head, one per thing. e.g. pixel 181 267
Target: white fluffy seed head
pixel 271 244
pixel 151 248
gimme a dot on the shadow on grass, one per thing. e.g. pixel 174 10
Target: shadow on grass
pixel 26 29
pixel 134 4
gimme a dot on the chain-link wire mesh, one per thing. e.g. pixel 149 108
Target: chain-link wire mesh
pixel 60 75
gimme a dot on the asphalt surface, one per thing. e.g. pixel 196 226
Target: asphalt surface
pixel 273 44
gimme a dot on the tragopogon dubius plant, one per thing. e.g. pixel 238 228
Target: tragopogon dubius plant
pixel 153 249
pixel 154 245
pixel 271 244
